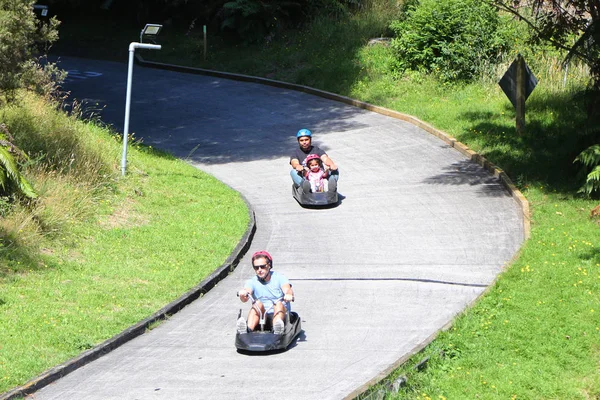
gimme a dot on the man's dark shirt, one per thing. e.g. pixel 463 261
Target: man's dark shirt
pixel 301 155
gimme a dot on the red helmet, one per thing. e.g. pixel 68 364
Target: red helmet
pixel 312 157
pixel 263 253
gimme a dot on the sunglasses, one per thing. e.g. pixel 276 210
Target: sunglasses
pixel 263 266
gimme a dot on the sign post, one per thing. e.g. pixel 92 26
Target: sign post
pixel 204 30
pixel 521 97
pixel 517 83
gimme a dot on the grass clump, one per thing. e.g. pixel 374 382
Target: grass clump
pixel 96 253
pixel 72 167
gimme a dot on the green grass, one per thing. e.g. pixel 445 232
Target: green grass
pixel 143 241
pixel 535 334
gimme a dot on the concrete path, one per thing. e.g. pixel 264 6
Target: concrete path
pixel 419 234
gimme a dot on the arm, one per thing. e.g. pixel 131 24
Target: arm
pixel 288 293
pixel 329 162
pixel 243 294
pixel 295 163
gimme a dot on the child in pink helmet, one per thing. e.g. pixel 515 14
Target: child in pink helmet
pixel 316 174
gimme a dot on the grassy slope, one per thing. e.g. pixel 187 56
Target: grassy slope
pixel 150 237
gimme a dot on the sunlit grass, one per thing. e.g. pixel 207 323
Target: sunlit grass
pixel 86 261
pixel 535 334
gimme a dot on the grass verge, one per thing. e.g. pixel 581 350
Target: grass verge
pixel 103 257
pixel 535 334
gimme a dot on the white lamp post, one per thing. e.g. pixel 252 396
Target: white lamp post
pixel 152 30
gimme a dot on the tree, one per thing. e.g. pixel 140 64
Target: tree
pixel 21 35
pixel 556 21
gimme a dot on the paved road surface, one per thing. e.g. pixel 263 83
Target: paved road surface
pixel 419 234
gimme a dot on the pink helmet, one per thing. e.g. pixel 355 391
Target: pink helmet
pixel 263 253
pixel 312 157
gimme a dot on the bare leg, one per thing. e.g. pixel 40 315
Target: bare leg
pixel 279 319
pixel 254 316
pixel 280 312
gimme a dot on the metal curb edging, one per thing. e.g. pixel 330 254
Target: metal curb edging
pixel 452 142
pixel 132 332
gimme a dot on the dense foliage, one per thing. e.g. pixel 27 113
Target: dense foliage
pixel 248 20
pixel 590 158
pixel 254 19
pixel 559 21
pixel 22 36
pixel 454 39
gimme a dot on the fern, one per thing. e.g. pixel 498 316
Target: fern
pixel 26 188
pixel 590 158
pixel 10 176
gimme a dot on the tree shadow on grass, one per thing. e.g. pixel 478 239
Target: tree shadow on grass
pixel 17 258
pixel 546 151
pixel 592 255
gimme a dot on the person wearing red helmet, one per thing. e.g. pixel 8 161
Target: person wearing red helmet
pixel 268 288
pixel 316 174
pixel 298 161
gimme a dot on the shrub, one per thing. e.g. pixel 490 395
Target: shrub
pixel 11 180
pixel 21 36
pixel 590 158
pixel 454 39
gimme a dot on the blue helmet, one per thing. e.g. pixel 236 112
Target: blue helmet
pixel 303 132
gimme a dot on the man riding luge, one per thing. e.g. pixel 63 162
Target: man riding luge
pixel 272 292
pixel 298 162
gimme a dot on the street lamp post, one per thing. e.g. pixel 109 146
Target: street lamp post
pixel 149 29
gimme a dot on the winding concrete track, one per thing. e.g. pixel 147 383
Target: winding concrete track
pixel 419 234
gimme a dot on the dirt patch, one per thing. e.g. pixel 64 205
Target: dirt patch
pixel 124 216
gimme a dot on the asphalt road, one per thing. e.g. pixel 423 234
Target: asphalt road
pixel 419 234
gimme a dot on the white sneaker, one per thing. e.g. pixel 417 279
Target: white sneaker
pixel 332 183
pixel 241 326
pixel 278 327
